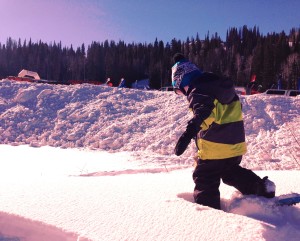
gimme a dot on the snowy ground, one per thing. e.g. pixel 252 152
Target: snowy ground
pixel 96 163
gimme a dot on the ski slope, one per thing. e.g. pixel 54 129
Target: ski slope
pixel 88 162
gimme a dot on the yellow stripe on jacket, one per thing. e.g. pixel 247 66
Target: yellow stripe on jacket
pixel 222 135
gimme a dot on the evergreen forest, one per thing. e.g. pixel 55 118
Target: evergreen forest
pixel 244 53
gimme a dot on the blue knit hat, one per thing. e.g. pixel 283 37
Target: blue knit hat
pixel 182 72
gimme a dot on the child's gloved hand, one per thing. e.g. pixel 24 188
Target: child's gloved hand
pixel 186 137
pixel 182 143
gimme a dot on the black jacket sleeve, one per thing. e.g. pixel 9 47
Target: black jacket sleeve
pixel 201 105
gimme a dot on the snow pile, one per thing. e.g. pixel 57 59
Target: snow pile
pixel 143 122
pixel 96 163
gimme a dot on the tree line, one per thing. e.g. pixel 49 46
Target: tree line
pixel 244 53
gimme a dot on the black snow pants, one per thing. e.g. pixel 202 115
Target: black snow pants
pixel 208 174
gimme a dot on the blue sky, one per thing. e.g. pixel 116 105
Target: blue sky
pixel 83 21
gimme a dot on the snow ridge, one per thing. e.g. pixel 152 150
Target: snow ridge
pixel 114 119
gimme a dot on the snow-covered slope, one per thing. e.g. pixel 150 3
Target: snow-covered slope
pixel 93 162
pixel 143 122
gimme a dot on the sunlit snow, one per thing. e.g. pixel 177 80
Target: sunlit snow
pixel 86 162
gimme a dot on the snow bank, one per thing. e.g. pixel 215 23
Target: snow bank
pixel 96 163
pixel 147 123
pixel 97 196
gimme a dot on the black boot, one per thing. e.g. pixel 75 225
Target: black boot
pixel 266 188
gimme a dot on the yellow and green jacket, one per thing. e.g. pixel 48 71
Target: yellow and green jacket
pixel 222 133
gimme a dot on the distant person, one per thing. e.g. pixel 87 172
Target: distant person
pixel 219 133
pixel 122 83
pixel 251 85
pixel 109 82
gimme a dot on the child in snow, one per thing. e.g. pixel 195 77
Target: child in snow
pixel 220 137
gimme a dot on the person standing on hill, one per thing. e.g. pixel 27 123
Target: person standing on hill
pixel 109 82
pixel 122 83
pixel 218 128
